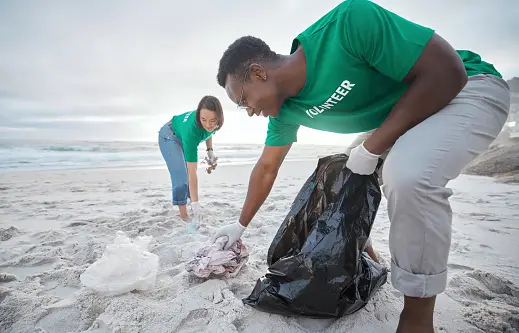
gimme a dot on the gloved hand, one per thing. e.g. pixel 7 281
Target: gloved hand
pixel 361 161
pixel 233 231
pixel 195 207
pixel 211 159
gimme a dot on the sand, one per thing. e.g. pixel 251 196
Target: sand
pixel 53 225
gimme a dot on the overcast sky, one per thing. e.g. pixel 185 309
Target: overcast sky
pixel 118 70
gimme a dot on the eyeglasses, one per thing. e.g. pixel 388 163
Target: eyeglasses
pixel 240 106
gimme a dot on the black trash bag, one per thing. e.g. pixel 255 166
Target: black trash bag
pixel 317 267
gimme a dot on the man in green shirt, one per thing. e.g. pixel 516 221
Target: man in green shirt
pixel 422 106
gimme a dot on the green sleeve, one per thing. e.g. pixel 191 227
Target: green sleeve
pixel 387 42
pixel 280 133
pixel 190 147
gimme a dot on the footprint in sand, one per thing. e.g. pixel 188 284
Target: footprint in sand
pixel 498 231
pixel 457 267
pixel 496 195
pixel 492 302
pixel 240 324
pixel 220 204
pixel 496 284
pixel 4 292
pixel 511 228
pixel 174 271
pixel 154 195
pixel 240 290
pixel 60 320
pixel 8 233
pixel 482 201
pixel 6 277
pixel 76 224
pixel 195 321
pixel 163 212
pixel 459 248
pixel 159 202
pixel 315 325
pixel 156 219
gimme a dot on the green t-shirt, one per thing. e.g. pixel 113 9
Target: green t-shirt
pixel 356 56
pixel 185 128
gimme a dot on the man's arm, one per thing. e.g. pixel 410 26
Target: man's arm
pixel 435 79
pixel 408 52
pixel 262 179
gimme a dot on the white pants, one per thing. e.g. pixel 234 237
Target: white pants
pixel 416 171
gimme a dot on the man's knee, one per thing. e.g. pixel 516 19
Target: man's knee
pixel 401 177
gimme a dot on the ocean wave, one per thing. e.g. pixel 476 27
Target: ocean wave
pixel 33 156
pixel 67 149
pixel 99 149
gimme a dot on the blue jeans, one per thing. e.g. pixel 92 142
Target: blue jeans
pixel 172 152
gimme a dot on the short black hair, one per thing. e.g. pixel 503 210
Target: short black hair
pixel 241 53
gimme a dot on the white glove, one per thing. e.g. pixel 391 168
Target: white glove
pixel 361 161
pixel 369 243
pixel 233 231
pixel 211 159
pixel 195 207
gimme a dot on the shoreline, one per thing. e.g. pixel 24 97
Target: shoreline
pixel 162 166
pixel 140 167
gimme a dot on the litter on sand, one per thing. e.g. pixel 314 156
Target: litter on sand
pixel 213 259
pixel 125 265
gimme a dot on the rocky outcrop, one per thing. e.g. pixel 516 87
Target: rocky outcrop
pixel 501 160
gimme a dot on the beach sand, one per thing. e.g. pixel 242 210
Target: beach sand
pixel 53 225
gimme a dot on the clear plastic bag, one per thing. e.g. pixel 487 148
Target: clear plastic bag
pixel 126 265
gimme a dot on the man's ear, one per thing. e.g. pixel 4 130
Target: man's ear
pixel 258 72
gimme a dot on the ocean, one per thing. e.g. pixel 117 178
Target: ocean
pixel 25 155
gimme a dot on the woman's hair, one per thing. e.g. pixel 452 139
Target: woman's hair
pixel 210 103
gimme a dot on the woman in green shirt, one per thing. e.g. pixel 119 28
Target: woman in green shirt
pixel 178 143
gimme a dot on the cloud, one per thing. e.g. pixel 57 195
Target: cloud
pixel 96 64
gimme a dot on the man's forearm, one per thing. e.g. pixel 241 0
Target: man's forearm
pixel 260 185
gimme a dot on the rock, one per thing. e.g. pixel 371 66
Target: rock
pixel 500 161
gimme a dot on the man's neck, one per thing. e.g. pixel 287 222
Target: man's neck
pixel 290 74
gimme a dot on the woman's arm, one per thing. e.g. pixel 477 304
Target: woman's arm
pixel 192 180
pixel 209 143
